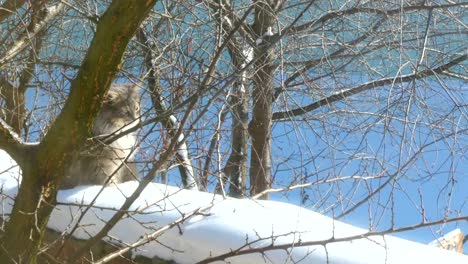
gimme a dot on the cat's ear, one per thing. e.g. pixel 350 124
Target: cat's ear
pixel 111 97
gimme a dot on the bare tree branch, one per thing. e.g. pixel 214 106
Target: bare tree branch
pixel 15 95
pixel 9 7
pixel 151 237
pixel 12 143
pixel 326 180
pixel 248 249
pixel 351 11
pixel 313 63
pixel 225 8
pixel 22 43
pixel 170 122
pixel 392 176
pixel 367 86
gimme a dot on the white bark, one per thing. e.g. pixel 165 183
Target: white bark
pixel 183 158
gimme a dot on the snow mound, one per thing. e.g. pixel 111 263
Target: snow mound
pixel 223 226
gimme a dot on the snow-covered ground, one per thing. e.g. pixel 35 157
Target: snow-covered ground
pixel 225 225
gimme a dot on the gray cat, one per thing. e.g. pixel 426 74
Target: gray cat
pixel 99 162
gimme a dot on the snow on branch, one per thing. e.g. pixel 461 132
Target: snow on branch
pixel 11 142
pixel 8 135
pixel 189 226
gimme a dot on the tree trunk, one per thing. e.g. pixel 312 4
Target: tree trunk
pixel 60 249
pixel 260 126
pixel 236 167
pixel 237 162
pixel 47 162
pixel 240 52
pixel 25 228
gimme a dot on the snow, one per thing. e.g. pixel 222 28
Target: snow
pixel 269 32
pixel 14 135
pixel 225 225
pixel 258 41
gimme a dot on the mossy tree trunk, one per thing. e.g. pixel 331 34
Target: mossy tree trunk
pixel 44 164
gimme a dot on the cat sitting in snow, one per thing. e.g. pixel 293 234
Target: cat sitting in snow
pixel 104 162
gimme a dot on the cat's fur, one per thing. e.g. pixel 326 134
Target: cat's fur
pixel 98 161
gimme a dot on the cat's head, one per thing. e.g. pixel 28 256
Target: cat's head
pixel 123 101
pixel 121 108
